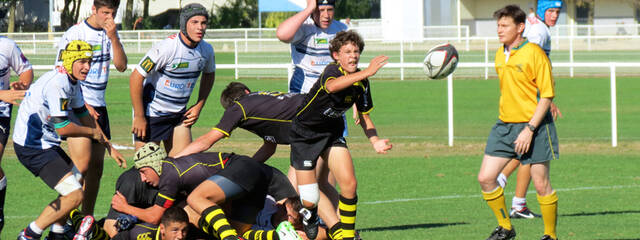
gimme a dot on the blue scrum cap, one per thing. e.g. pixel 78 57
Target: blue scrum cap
pixel 543 5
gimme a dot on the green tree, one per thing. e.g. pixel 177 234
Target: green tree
pixel 357 9
pixel 70 13
pixel 275 18
pixel 236 14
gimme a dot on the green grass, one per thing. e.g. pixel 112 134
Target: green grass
pixel 424 189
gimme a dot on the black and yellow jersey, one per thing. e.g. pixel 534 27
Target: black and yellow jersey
pixel 267 114
pixel 138 193
pixel 180 176
pixel 324 109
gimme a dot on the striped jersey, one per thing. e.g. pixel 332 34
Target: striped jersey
pixel 11 57
pixel 310 53
pixel 171 69
pixel 53 95
pixel 94 86
pixel 536 31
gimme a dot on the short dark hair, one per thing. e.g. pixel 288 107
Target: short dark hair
pixel 345 37
pixel 174 214
pixel 513 11
pixel 112 4
pixel 232 93
pixel 295 203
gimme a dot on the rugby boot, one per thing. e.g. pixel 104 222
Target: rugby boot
pixel 286 231
pixel 502 234
pixel 310 222
pixel 84 231
pixel 23 236
pixel 547 237
pixel 524 213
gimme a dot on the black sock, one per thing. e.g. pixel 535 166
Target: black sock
pixel 31 233
pixel 3 193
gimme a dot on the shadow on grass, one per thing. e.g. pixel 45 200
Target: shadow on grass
pixel 407 227
pixel 583 214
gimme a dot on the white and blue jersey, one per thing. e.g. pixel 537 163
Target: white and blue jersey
pixel 11 57
pixel 52 96
pixel 536 31
pixel 310 53
pixel 94 86
pixel 171 69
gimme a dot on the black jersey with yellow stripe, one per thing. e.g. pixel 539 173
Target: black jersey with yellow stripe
pixel 267 114
pixel 181 175
pixel 322 108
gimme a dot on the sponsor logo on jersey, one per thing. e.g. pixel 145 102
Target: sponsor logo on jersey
pixel 97 47
pixel 144 236
pixel 147 64
pixel 322 41
pixel 320 63
pixel 307 163
pixel 178 86
pixel 64 104
pixel 270 139
pixel 180 65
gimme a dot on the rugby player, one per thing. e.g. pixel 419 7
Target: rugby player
pixel 99 30
pixel 318 126
pixel 162 83
pixel 523 117
pixel 42 118
pixel 11 57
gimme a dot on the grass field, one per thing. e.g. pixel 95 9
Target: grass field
pixel 424 189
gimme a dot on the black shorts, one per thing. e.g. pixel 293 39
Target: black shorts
pixel 49 164
pixel 307 145
pixel 5 130
pixel 103 121
pixel 161 128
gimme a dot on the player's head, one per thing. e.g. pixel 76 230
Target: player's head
pixel 148 161
pixel 548 11
pixel 510 23
pixel 232 93
pixel 346 48
pixel 323 14
pixel 76 59
pixel 174 224
pixel 104 9
pixel 193 22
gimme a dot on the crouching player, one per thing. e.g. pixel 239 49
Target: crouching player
pixel 42 119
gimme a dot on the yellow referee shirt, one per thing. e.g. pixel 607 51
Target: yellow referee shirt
pixel 523 74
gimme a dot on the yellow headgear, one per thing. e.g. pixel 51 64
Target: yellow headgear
pixel 76 49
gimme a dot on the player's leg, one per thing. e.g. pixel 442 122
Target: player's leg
pixel 180 139
pixel 80 153
pixel 492 192
pixel 507 171
pixel 341 164
pixel 92 179
pixel 547 197
pixel 519 207
pixel 5 124
pixel 205 200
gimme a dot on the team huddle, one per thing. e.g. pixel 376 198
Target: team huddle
pixel 181 191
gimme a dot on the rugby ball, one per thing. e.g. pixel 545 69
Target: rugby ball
pixel 440 61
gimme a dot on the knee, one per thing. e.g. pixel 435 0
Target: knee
pixel 349 187
pixel 75 198
pixel 309 194
pixel 484 179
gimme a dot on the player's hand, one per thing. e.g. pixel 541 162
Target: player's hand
pixel 139 127
pixel 117 156
pixel 97 135
pixel 302 234
pixel 192 115
pixel 523 142
pixel 12 96
pixel 382 146
pixel 376 63
pixel 119 202
pixel 125 222
pixel 109 26
pixel 356 116
pixel 311 5
pixel 555 111
pixel 92 112
pixel 18 85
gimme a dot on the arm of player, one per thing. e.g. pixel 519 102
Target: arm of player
pixel 337 84
pixel 206 83
pixel 380 145
pixel 265 152
pixel 151 214
pixel 555 111
pixel 203 143
pixel 287 29
pixel 24 81
pixel 119 57
pixel 66 128
pixel 139 125
pixel 523 142
pixel 90 121
pixel 12 96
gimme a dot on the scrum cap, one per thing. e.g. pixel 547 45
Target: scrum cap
pixel 326 2
pixel 76 49
pixel 150 155
pixel 543 5
pixel 189 11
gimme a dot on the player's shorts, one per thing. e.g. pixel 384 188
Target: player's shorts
pixel 161 128
pixel 307 145
pixel 49 164
pixel 5 127
pixel 103 121
pixel 544 143
pixel 246 173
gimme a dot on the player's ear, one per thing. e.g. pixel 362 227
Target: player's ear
pixel 520 27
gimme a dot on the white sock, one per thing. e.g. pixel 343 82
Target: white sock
pixel 35 228
pixel 518 203
pixel 57 228
pixel 502 180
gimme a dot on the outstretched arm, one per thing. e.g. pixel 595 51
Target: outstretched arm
pixel 338 84
pixel 203 143
pixel 380 145
pixel 265 152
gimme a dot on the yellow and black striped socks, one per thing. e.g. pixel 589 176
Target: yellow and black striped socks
pixel 261 235
pixel 335 232
pixel 348 208
pixel 549 209
pixel 76 220
pixel 495 200
pixel 214 223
